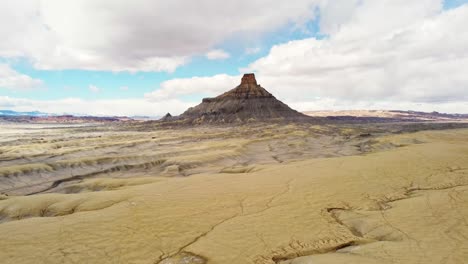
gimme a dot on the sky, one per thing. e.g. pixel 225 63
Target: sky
pixel 150 57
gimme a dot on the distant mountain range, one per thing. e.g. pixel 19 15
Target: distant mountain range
pixel 40 117
pixel 36 116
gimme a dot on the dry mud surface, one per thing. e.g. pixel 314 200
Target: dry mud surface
pixel 263 194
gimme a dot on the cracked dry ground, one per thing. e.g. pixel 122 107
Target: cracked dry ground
pixel 407 204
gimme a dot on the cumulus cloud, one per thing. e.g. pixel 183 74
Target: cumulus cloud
pixel 111 107
pixel 420 58
pixel 217 54
pixel 204 86
pixel 11 79
pixel 412 55
pixel 140 35
pixel 374 53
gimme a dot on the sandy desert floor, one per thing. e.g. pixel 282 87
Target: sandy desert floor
pixel 288 194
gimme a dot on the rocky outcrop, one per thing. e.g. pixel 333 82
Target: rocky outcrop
pixel 247 102
pixel 167 117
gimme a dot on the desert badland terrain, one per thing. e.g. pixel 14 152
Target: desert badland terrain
pixel 249 194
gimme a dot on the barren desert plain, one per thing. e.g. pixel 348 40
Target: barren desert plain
pixel 252 193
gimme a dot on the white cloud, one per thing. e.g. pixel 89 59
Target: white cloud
pixel 114 107
pixel 11 79
pixel 422 59
pixel 375 52
pixel 94 89
pixel 140 35
pixel 123 88
pixel 200 86
pixel 217 54
pixel 383 54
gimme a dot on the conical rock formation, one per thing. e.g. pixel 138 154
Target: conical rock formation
pixel 247 102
